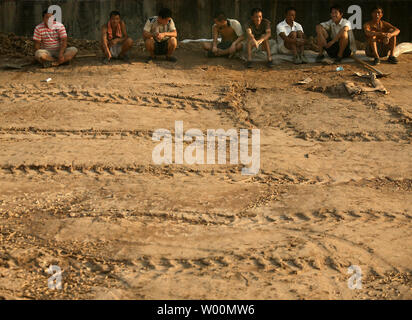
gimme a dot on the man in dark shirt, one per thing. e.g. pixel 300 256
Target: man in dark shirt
pixel 258 32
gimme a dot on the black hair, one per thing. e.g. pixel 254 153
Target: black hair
pixel 290 9
pixel 165 13
pixel 114 13
pixel 337 8
pixel 220 16
pixel 377 7
pixel 255 10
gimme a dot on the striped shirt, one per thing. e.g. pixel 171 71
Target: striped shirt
pixel 50 38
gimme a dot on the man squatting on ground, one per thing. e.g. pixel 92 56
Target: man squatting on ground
pixel 335 36
pixel 232 37
pixel 258 32
pixel 50 42
pixel 291 38
pixel 381 37
pixel 114 40
pixel 160 35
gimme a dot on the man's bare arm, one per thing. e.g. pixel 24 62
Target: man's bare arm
pixel 393 31
pixel 36 45
pixel 215 36
pixel 341 32
pixel 369 33
pixel 287 39
pixel 267 35
pixel 124 31
pixel 170 34
pixel 147 35
pixel 63 46
pixel 104 36
pixel 250 34
pixel 239 39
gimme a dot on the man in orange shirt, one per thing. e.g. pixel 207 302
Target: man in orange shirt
pixel 381 37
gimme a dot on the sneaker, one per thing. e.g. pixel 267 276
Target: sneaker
pixel 338 60
pixel 248 64
pixel 320 58
pixel 297 60
pixel 106 60
pixel 150 58
pixel 376 61
pixel 393 60
pixel 171 59
pixel 304 59
pixel 46 64
pixel 270 64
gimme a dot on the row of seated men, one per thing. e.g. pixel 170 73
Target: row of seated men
pixel 334 36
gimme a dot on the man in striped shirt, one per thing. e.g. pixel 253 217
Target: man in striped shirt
pixel 50 43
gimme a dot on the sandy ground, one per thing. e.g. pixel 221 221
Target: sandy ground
pixel 79 188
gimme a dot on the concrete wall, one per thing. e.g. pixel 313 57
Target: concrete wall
pixel 193 18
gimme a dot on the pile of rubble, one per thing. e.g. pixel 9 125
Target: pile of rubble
pixel 20 46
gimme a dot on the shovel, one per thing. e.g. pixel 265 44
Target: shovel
pixel 379 74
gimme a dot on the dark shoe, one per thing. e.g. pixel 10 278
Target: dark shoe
pixel 171 59
pixel 248 64
pixel 106 61
pixel 320 58
pixel 376 62
pixel 149 59
pixel 270 64
pixel 338 60
pixel 304 59
pixel 46 64
pixel 297 60
pixel 393 60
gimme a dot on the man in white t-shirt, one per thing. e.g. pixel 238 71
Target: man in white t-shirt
pixel 230 31
pixel 291 38
pixel 335 36
pixel 160 35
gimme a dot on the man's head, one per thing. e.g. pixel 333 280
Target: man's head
pixel 257 16
pixel 114 18
pixel 336 13
pixel 377 13
pixel 46 17
pixel 290 14
pixel 220 19
pixel 164 16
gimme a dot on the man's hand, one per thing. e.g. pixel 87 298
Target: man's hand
pixel 60 58
pixel 387 37
pixel 300 41
pixel 257 43
pixel 160 36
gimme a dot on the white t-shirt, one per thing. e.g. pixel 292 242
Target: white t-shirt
pixel 235 25
pixel 153 26
pixel 333 29
pixel 287 29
